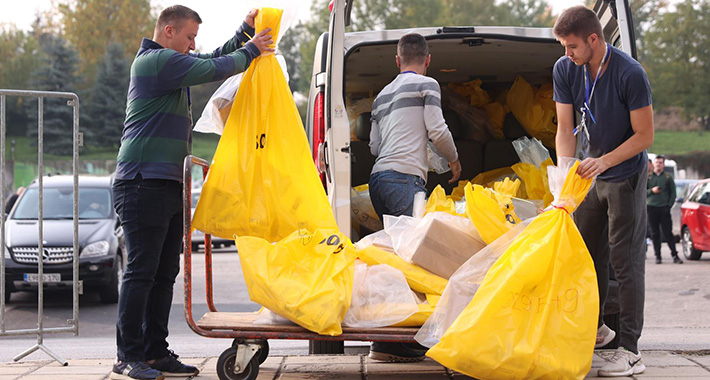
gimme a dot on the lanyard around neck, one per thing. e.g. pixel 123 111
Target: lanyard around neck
pixel 408 72
pixel 589 92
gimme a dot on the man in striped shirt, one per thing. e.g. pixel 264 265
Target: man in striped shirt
pixel 147 193
pixel 405 115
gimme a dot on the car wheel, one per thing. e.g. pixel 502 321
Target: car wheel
pixel 689 251
pixel 109 294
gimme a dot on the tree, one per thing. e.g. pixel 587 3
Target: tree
pixel 58 72
pixel 105 109
pixel 90 25
pixel 677 59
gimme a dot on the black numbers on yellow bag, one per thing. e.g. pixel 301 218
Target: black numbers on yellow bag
pixel 261 141
pixel 567 302
pixel 333 240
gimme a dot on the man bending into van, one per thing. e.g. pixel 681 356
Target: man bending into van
pixel 405 115
pixel 613 96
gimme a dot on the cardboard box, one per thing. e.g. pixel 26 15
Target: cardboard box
pixel 443 249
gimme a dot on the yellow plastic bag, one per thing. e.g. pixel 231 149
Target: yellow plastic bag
pixel 496 115
pixel 419 279
pixel 535 180
pixel 262 181
pixel 306 277
pixel 507 187
pixel 438 201
pixel 484 210
pixel 418 318
pixel 534 316
pixel 487 179
pixel 472 89
pixel 535 113
pixel 457 193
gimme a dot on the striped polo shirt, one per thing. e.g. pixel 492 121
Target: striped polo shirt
pixel 157 133
pixel 405 115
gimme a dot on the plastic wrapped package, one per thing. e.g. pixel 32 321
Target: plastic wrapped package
pixel 262 181
pixel 419 279
pixel 534 315
pixel 355 109
pixel 306 278
pixel 379 239
pixel 437 162
pixel 381 297
pixel 362 214
pixel 531 151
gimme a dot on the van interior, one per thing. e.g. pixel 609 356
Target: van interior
pixel 497 61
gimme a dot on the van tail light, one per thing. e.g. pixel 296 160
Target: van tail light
pixel 319 135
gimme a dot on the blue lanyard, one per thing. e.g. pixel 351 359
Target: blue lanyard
pixel 589 92
pixel 408 71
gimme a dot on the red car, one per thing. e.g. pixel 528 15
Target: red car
pixel 695 221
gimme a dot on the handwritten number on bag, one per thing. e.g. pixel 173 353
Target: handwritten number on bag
pixel 261 141
pixel 333 240
pixel 566 303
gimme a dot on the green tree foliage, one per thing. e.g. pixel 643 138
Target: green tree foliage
pixel 299 43
pixel 57 72
pixel 105 109
pixel 90 25
pixel 19 56
pixel 678 59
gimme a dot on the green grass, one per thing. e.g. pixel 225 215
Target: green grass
pixel 673 143
pixel 203 146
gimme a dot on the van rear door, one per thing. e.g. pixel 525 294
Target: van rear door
pixel 337 126
pixel 618 25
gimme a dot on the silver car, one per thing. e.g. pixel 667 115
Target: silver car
pixel 682 190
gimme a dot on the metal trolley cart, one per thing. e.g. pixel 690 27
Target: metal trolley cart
pixel 250 345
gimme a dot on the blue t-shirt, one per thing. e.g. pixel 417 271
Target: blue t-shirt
pixel 623 87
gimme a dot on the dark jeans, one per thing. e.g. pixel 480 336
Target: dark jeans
pixel 392 192
pixel 612 221
pixel 659 221
pixel 150 211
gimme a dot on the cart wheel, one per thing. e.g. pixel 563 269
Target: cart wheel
pixel 263 347
pixel 225 366
pixel 263 350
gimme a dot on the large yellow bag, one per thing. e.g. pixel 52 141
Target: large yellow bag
pixel 534 316
pixel 537 114
pixel 263 181
pixel 438 201
pixel 417 277
pixel 306 277
pixel 489 214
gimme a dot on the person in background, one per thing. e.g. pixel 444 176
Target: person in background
pixel 406 114
pixel 10 201
pixel 613 95
pixel 660 196
pixel 147 190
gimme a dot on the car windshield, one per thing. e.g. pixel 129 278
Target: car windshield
pixel 94 203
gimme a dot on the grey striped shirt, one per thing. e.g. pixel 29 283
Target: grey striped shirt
pixel 405 115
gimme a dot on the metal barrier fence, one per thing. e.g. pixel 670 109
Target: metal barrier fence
pixel 73 101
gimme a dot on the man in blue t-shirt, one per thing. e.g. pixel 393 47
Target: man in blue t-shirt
pixel 611 92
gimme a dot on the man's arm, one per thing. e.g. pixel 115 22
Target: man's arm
pixel 565 140
pixel 642 124
pixel 437 130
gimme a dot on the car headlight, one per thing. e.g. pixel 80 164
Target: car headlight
pixel 97 249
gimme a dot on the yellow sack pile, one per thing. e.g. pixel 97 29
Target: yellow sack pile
pixel 306 278
pixel 535 313
pixel 534 109
pixel 492 214
pixel 262 181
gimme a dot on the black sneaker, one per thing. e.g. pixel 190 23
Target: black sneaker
pixel 658 260
pixel 397 352
pixel 170 366
pixel 677 260
pixel 134 370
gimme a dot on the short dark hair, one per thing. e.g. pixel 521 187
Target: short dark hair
pixel 579 21
pixel 662 157
pixel 412 49
pixel 174 15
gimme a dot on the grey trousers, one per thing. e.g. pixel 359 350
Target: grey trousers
pixel 612 221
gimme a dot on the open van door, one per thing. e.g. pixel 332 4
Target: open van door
pixel 618 26
pixel 337 126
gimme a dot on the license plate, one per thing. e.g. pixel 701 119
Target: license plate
pixel 46 277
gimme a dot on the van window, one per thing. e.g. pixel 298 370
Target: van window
pixel 58 204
